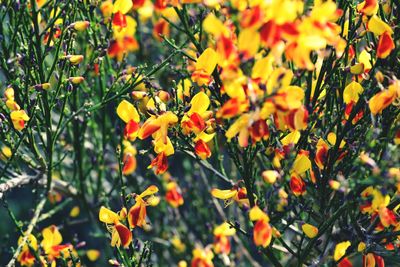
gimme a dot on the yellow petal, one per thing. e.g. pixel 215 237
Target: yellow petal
pixel 93 254
pixel 301 164
pixel 74 212
pixel 340 250
pixel 51 237
pixel 107 216
pixel 122 6
pixel 207 61
pixel 151 190
pixel 199 103
pixel 257 214
pixel 223 194
pixel 377 26
pixel 224 229
pixel 127 112
pixel 309 230
pixel 291 138
pixel 352 92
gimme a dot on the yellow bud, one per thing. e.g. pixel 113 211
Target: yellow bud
pixel 164 96
pixel 45 86
pixel 270 176
pixel 361 246
pixel 335 185
pixel 74 212
pixel 5 152
pixel 76 80
pixel 309 230
pixel 9 93
pixel 74 59
pixel 379 76
pixel 80 25
pixel 138 95
pixel 93 254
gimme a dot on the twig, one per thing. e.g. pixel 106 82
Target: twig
pixel 31 225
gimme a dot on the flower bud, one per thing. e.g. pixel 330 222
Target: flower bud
pixel 74 59
pixel 164 96
pixel 80 25
pixel 270 176
pixel 9 93
pixel 138 95
pixel 76 80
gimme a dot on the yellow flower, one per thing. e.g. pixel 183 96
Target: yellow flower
pixel 19 117
pixel 122 6
pixel 205 66
pixel 352 92
pixel 340 250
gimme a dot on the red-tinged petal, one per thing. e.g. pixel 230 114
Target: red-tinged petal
pixel 232 108
pixel 202 150
pixel 124 234
pixel 129 164
pixel 297 185
pixel 119 20
pixel 270 34
pixel 258 131
pixel 161 163
pixel 251 17
pixel 137 214
pixel 148 128
pixel 262 233
pixel 131 130
pixel 174 198
pixel 345 263
pixel 138 3
pixel 387 217
pixel 222 244
pixel 385 45
pixel 197 123
pixel 321 156
pixel 161 28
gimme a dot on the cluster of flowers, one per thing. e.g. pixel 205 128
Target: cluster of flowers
pixel 51 249
pixel 252 100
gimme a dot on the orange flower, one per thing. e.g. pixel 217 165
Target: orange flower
pixel 129 159
pixel 385 45
pixel 202 258
pixel 322 153
pixel 173 195
pixel 262 232
pixel 128 113
pixel 160 162
pixel 161 28
pixel 232 108
pixel 368 7
pixel 26 258
pixel 18 118
pixel 297 185
pixel 372 260
pixel 137 214
pixel 238 194
pixel 387 217
pixel 205 66
pixel 222 244
pixel 202 150
pixel 383 99
pixel 120 234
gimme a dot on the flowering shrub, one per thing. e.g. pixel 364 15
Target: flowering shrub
pixel 200 133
